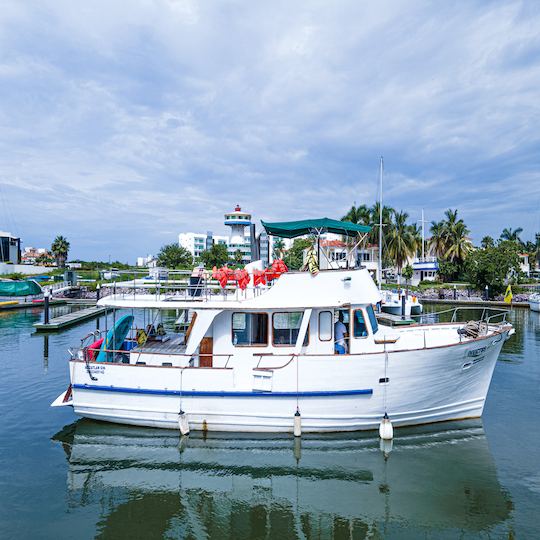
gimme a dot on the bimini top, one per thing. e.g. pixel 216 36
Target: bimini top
pixel 19 288
pixel 292 229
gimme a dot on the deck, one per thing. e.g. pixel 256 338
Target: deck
pixel 64 321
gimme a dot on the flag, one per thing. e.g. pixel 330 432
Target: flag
pixel 508 295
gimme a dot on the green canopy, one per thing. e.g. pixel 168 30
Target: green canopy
pixel 291 229
pixel 19 288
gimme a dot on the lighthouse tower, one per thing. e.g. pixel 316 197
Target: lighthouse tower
pixel 238 221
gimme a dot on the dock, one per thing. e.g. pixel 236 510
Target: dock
pixel 71 319
pixel 394 320
pixel 31 305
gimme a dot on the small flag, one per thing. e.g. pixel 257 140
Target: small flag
pixel 508 295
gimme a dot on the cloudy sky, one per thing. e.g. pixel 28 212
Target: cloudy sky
pixel 125 123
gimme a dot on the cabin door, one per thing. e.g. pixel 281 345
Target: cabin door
pixel 206 350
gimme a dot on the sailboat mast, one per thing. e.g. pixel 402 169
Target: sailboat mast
pixel 380 221
pixel 423 236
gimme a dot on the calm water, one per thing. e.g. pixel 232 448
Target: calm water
pixel 61 477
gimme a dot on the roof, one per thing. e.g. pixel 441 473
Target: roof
pixel 292 229
pixel 293 290
pixel 333 243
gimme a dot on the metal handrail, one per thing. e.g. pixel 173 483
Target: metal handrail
pixel 484 317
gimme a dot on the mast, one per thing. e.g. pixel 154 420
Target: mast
pixel 380 221
pixel 423 237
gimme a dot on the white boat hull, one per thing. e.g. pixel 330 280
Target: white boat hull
pixel 535 305
pixel 425 385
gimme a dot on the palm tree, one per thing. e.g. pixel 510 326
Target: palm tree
pixel 458 244
pixel 512 235
pixel 487 242
pixel 401 243
pixel 60 250
pixel 279 247
pixel 416 236
pixel 358 214
pixel 437 242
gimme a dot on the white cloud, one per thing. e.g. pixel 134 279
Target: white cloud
pixel 162 116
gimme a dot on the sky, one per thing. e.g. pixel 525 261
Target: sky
pixel 123 124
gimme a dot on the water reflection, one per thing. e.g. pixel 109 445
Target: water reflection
pixel 148 483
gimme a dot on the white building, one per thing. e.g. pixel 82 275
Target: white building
pixel 147 262
pixel 240 236
pixel 196 243
pixel 10 248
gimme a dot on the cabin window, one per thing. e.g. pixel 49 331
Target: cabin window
pixel 285 328
pixel 326 320
pixel 249 329
pixel 372 319
pixel 360 328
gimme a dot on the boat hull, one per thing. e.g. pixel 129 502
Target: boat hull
pixel 424 386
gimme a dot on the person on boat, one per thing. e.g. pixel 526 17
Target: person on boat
pixel 340 333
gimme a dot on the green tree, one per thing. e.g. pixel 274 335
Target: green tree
pixel 175 256
pixel 60 249
pixel 217 255
pixel 511 235
pixel 387 215
pixel 437 242
pixel 447 270
pixel 401 243
pixel 358 214
pixel 279 247
pixel 294 257
pixel 493 266
pixel 238 257
pixel 408 273
pixel 458 243
pixel 487 242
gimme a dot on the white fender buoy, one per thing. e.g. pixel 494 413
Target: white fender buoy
pixel 386 446
pixel 297 424
pixel 183 423
pixel 297 449
pixel 386 431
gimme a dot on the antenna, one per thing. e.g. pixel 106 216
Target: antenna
pixel 380 220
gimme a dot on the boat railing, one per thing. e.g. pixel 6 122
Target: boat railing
pixel 490 315
pixel 206 289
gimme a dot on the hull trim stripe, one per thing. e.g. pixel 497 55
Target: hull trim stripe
pixel 194 393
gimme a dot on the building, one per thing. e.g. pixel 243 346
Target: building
pixel 147 262
pixel 335 253
pixel 196 243
pixel 524 265
pixel 30 255
pixel 424 269
pixel 10 248
pixel 240 235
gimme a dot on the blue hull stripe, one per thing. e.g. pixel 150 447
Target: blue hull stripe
pixel 193 393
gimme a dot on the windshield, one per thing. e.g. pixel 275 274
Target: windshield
pixel 372 319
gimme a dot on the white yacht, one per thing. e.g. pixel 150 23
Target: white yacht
pixel 534 301
pixel 253 360
pixel 392 303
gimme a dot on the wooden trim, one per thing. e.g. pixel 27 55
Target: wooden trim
pixel 190 328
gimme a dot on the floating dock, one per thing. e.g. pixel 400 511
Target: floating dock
pixel 30 305
pixel 394 320
pixel 64 321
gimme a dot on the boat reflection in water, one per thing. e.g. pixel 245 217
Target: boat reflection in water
pixel 149 483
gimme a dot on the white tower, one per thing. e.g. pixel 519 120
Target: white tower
pixel 238 240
